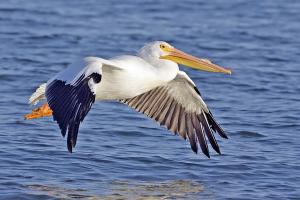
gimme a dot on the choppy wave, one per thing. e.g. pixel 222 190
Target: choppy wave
pixel 121 154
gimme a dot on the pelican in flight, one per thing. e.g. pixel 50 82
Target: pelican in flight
pixel 149 82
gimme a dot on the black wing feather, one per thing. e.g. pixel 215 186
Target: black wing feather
pixel 163 108
pixel 70 104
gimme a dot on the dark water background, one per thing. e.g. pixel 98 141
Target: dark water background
pixel 120 153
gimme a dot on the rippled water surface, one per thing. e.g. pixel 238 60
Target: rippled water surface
pixel 121 154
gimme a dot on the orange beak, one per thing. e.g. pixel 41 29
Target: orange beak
pixel 180 57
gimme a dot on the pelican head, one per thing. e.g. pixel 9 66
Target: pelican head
pixel 160 50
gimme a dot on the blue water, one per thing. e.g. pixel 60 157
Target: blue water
pixel 120 154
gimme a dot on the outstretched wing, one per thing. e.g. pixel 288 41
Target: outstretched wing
pixel 71 94
pixel 178 105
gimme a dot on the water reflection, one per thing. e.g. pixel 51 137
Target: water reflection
pixel 175 189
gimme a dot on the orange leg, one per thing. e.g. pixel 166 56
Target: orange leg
pixel 42 111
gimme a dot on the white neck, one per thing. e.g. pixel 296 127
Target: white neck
pixel 166 70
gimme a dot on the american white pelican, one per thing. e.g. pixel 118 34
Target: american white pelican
pixel 150 83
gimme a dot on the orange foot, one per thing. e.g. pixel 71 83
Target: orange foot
pixel 42 111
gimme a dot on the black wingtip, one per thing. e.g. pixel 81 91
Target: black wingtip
pixel 206 153
pixel 205 150
pixel 215 126
pixel 70 150
pixel 222 133
pixel 218 151
pixel 194 148
pixel 63 132
pixel 69 145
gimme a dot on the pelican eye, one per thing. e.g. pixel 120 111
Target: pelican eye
pixel 162 46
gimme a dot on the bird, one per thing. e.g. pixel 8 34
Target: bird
pixel 149 82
